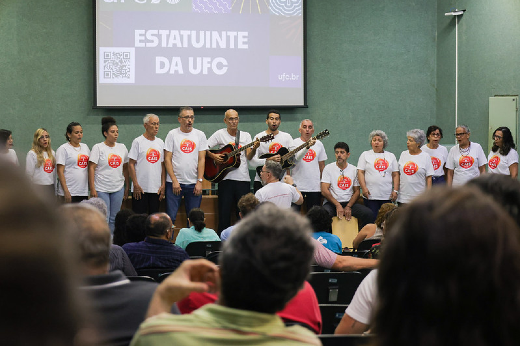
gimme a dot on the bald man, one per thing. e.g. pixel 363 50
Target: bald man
pixel 237 182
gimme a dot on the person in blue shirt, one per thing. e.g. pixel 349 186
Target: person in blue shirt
pixel 321 222
pixel 197 231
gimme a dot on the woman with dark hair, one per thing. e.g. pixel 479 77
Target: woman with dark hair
pixel 373 230
pixel 108 170
pixel 503 158
pixel 437 152
pixel 450 274
pixel 321 223
pixel 7 152
pixel 72 161
pixel 197 230
pixel 40 162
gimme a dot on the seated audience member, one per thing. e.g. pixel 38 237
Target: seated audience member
pixel 303 309
pixel 280 193
pixel 328 259
pixel 197 230
pixel 156 251
pixel 321 223
pixel 135 228
pixel 358 314
pixel 118 303
pixel 262 266
pixel 373 230
pixel 40 303
pixel 118 258
pixel 246 204
pixel 450 274
pixel 120 226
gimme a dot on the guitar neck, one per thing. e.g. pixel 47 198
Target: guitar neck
pixel 239 150
pixel 294 151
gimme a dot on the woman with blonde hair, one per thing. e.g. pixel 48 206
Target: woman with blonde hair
pixel 40 163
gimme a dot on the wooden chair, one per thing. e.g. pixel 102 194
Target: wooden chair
pixel 345 230
pixel 335 287
pixel 202 248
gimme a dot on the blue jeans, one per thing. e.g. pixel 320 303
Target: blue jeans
pixel 113 201
pixel 174 201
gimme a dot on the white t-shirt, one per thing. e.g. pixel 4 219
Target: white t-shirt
pixel 306 171
pixel 279 193
pixel 378 169
pixel 341 181
pixel 10 156
pixel 148 156
pixel 362 305
pixel 222 138
pixel 185 148
pixel 108 175
pixel 465 167
pixel 498 163
pixel 75 162
pixel 438 157
pixel 282 139
pixel 413 170
pixel 43 175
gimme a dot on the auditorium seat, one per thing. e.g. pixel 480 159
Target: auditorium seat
pixel 202 248
pixel 346 340
pixel 335 287
pixel 331 315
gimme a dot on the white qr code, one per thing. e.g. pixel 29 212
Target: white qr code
pixel 116 65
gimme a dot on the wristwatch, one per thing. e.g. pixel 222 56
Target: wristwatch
pixel 200 179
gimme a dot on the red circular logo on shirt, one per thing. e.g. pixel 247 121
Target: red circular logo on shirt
pixel 274 147
pixel 410 168
pixel 344 182
pixel 48 167
pixel 493 162
pixel 114 160
pixel 233 144
pixel 187 146
pixel 309 156
pixel 466 161
pixel 380 165
pixel 82 161
pixel 153 155
pixel 436 163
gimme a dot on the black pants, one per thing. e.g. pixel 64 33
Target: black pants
pixel 229 192
pixel 360 212
pixel 310 199
pixel 257 185
pixel 148 204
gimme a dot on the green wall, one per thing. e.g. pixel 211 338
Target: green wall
pixel 371 65
pixel 489 51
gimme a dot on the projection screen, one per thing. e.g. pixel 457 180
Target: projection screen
pixel 208 53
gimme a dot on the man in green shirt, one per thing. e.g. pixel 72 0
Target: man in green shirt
pixel 262 266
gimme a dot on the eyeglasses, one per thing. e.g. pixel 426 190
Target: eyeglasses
pixel 460 134
pixel 190 117
pixel 497 137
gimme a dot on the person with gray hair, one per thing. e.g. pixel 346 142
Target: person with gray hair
pixel 378 173
pixel 118 303
pixel 466 160
pixel 146 168
pixel 262 266
pixel 415 168
pixel 280 193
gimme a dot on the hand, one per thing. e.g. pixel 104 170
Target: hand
pixel 197 191
pixel 160 192
pixel 125 196
pixel 275 158
pixel 93 193
pixel 340 212
pixel 288 179
pixel 366 193
pixel 68 197
pixel 219 158
pixel 138 191
pixel 347 212
pixel 393 196
pixel 256 145
pixel 176 188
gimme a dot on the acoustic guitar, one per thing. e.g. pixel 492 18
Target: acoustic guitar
pixel 286 156
pixel 215 172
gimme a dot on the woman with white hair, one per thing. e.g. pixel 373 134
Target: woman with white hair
pixel 415 168
pixel 378 173
pixel 466 160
